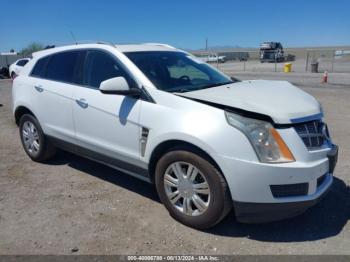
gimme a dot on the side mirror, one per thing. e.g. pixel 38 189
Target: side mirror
pixel 118 86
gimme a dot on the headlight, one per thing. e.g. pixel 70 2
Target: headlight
pixel 266 141
pixel 321 108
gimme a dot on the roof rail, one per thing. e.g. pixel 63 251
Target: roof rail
pixel 105 43
pixel 81 42
pixel 160 44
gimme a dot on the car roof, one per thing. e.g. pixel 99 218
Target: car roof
pixel 124 48
pixel 144 47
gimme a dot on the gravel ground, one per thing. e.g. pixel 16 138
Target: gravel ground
pixel 73 205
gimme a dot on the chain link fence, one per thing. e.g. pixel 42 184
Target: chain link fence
pixel 302 60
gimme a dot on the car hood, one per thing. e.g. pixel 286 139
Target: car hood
pixel 280 100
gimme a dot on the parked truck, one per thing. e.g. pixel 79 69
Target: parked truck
pixel 273 52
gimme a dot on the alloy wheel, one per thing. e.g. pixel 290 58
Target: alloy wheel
pixel 186 188
pixel 31 138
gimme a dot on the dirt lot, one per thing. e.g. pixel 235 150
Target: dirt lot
pixel 72 202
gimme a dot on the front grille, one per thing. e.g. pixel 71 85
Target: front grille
pixel 312 133
pixel 289 190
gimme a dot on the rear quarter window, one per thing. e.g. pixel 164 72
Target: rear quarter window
pixel 22 62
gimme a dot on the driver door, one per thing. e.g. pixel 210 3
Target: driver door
pixel 106 125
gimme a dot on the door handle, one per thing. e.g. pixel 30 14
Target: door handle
pixel 39 88
pixel 82 102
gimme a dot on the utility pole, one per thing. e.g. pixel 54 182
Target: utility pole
pixel 206 44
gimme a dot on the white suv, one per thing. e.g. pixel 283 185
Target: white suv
pixel 208 142
pixel 17 66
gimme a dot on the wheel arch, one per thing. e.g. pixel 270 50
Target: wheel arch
pixel 20 111
pixel 170 145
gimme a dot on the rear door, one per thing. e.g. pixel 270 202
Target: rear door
pixel 53 80
pixel 107 125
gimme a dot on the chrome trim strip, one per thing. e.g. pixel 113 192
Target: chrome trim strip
pixel 307 118
pixel 143 140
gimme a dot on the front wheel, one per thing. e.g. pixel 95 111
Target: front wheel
pixel 192 189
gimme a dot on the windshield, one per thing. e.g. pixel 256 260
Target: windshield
pixel 177 71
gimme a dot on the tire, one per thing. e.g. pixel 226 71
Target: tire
pixel 13 75
pixel 41 150
pixel 219 201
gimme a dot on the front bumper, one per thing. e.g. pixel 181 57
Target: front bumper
pixel 269 212
pixel 251 184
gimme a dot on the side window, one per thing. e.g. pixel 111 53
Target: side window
pixel 61 66
pixel 22 62
pixel 39 68
pixel 99 67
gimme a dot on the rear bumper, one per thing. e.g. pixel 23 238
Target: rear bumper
pixel 268 212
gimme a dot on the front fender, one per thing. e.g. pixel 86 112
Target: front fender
pixel 171 136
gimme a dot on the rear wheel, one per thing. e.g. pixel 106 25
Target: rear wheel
pixel 34 142
pixel 192 189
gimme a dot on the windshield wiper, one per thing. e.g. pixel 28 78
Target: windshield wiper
pixel 178 90
pixel 217 84
pixel 235 80
pixel 183 90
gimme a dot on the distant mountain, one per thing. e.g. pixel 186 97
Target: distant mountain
pixel 221 48
pixel 218 47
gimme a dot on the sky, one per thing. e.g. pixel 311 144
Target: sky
pixel 181 23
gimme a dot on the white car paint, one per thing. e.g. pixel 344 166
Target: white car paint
pixel 17 66
pixel 255 95
pixel 111 124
